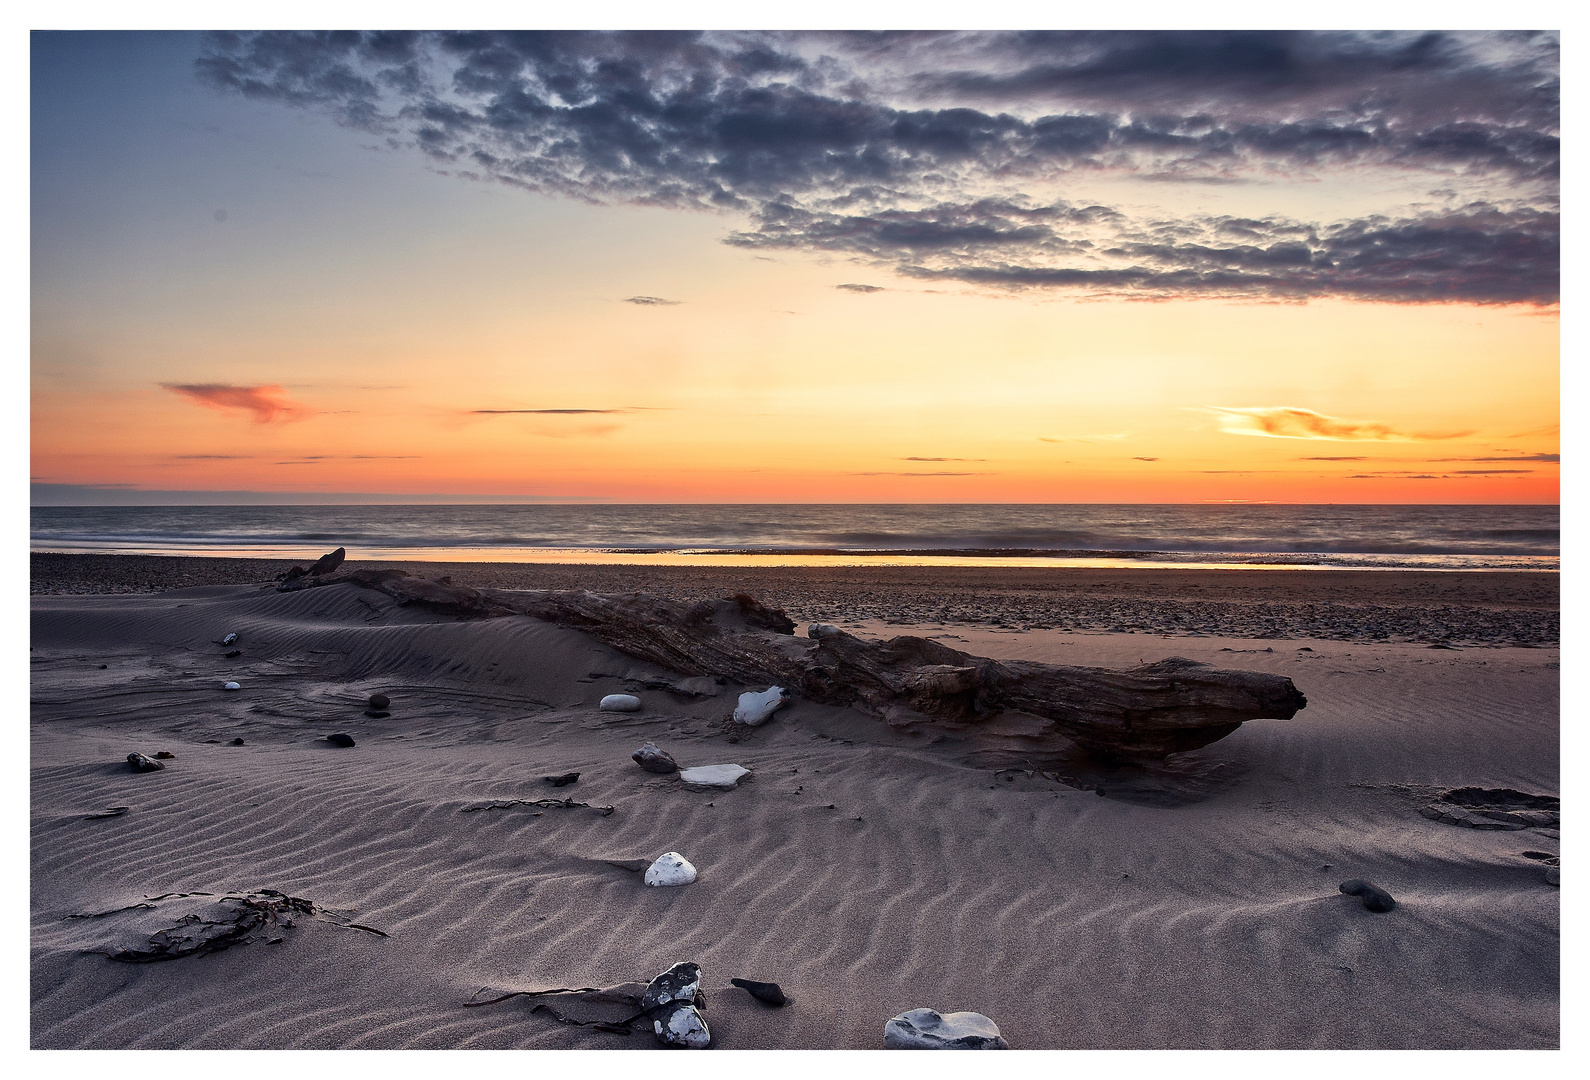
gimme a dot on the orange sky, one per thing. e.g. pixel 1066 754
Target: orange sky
pixel 360 324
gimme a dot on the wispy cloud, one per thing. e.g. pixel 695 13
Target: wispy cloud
pixel 651 301
pixel 1290 422
pixel 861 288
pixel 922 474
pixel 268 404
pixel 1508 457
pixel 943 459
pixel 544 412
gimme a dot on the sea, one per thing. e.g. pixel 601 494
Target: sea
pixel 1232 535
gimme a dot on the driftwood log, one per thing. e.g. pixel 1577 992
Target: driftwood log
pixel 1148 711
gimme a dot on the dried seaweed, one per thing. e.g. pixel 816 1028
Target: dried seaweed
pixel 554 804
pixel 614 1027
pixel 227 921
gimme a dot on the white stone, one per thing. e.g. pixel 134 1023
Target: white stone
pixel 619 703
pixel 714 776
pixel 232 686
pixel 229 639
pixel 671 868
pixel 683 1026
pixel 822 630
pixel 925 1029
pixel 755 708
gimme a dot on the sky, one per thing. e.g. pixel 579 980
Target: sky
pixel 796 267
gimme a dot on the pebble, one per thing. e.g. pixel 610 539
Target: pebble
pixel 164 755
pixel 620 703
pixel 140 763
pixel 237 742
pixel 233 655
pixel 341 738
pixel 925 1029
pixel 1374 897
pixel 230 639
pixel 562 781
pixel 681 983
pixel 755 708
pixel 714 776
pixel 671 868
pixel 822 630
pixel 379 701
pixel 650 758
pixel 682 1026
pixel 232 686
pixel 765 992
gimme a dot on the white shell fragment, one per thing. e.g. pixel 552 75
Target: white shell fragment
pixel 229 639
pixel 925 1029
pixel 714 776
pixel 671 868
pixel 620 703
pixel 232 686
pixel 822 630
pixel 755 708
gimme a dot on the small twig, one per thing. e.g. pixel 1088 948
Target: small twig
pixel 530 993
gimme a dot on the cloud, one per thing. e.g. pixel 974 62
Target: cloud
pixel 1333 459
pixel 543 412
pixel 943 459
pixel 1509 457
pixel 1287 422
pixel 212 457
pixel 911 150
pixel 1145 459
pixel 862 288
pixel 922 474
pixel 652 301
pixel 268 404
pixel 1480 253
pixel 1489 472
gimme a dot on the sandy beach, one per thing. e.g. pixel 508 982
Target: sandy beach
pixel 866 869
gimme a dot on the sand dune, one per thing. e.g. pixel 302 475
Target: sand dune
pixel 868 871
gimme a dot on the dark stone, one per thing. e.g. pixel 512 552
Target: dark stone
pixel 140 763
pixel 341 738
pixel 379 701
pixel 1374 897
pixel 650 758
pixel 562 781
pixel 164 755
pixel 233 655
pixel 237 742
pixel 103 667
pixel 328 562
pixel 767 993
pixel 294 574
pixel 680 983
pixel 376 714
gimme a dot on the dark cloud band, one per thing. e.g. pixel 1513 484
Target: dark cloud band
pixel 881 144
